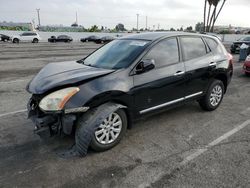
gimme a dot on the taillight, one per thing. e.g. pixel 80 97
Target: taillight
pixel 230 58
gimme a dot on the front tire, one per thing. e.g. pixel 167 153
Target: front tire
pixel 247 73
pixel 213 97
pixel 104 135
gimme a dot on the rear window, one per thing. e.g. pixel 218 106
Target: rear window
pixel 193 47
pixel 213 45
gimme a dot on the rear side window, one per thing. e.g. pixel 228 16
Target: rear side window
pixel 193 47
pixel 164 53
pixel 213 45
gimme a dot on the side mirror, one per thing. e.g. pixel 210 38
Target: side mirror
pixel 145 66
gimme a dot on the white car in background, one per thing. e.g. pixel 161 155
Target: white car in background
pixel 26 37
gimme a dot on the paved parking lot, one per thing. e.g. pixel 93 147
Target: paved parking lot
pixel 182 147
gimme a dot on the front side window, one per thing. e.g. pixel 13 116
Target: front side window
pixel 116 54
pixel 193 47
pixel 164 53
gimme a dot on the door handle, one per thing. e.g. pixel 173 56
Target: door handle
pixel 178 73
pixel 212 64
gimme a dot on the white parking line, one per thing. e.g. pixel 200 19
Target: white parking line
pixel 200 151
pixel 11 113
pixel 13 81
pixel 215 142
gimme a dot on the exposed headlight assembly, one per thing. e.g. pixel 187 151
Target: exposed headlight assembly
pixel 55 101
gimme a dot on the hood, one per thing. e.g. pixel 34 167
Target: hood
pixel 59 74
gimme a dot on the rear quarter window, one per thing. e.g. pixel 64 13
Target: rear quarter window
pixel 213 45
pixel 193 47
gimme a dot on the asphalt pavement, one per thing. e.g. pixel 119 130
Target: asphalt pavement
pixel 182 147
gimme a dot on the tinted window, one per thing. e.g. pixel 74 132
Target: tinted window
pixel 193 47
pixel 62 36
pixel 25 34
pixel 116 54
pixel 213 45
pixel 164 53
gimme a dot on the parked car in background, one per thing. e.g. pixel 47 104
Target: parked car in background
pixel 60 38
pixel 246 66
pixel 235 47
pixel 97 98
pixel 4 38
pixel 91 38
pixel 104 40
pixel 26 37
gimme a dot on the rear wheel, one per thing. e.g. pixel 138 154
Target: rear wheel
pixel 247 73
pixel 213 97
pixel 15 40
pixel 35 40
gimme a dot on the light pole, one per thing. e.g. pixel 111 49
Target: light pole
pixel 38 15
pixel 137 22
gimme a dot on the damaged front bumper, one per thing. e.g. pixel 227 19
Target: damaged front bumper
pixel 48 124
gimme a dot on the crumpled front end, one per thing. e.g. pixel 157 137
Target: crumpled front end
pixel 48 124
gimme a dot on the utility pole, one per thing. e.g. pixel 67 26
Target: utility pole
pixel 76 19
pixel 38 15
pixel 137 22
pixel 146 23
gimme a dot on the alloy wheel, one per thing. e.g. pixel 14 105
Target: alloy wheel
pixel 216 95
pixel 109 130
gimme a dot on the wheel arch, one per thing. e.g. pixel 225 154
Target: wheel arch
pixel 223 78
pixel 118 97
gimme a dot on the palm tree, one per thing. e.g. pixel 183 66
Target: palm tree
pixel 211 19
pixel 204 21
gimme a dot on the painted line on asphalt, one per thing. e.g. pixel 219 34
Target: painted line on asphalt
pixel 12 113
pixel 200 151
pixel 14 81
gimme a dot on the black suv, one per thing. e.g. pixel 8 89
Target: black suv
pixel 97 98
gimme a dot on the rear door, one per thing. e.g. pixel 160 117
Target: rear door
pixel 165 84
pixel 199 64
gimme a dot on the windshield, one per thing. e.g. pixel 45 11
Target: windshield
pixel 244 39
pixel 116 54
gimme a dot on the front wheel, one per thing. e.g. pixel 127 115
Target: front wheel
pixel 213 97
pixel 15 40
pixel 247 73
pixel 101 128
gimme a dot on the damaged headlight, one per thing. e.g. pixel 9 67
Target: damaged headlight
pixel 55 101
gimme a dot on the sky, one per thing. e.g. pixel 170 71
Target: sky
pixel 163 13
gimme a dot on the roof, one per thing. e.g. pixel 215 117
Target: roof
pixel 157 35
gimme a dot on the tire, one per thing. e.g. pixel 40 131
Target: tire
pixel 247 73
pixel 96 144
pixel 213 97
pixel 15 40
pixel 232 51
pixel 35 40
